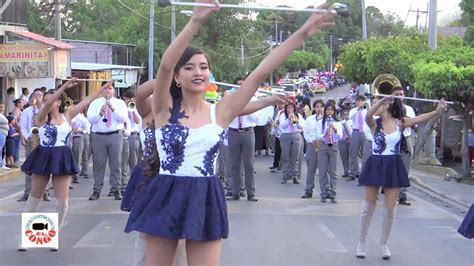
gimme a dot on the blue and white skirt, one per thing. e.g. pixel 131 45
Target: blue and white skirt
pixel 467 226
pixel 134 188
pixel 384 171
pixel 47 161
pixel 181 207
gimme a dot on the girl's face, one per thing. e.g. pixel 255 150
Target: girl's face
pixel 330 111
pixel 2 108
pixel 290 109
pixel 345 115
pixel 319 109
pixel 194 75
pixel 20 104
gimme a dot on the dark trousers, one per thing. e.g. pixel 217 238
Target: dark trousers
pixel 277 156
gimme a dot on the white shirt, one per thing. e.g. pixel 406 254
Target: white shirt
pixel 286 127
pixel 134 127
pixel 264 115
pixel 321 131
pixel 409 113
pixel 80 121
pixel 118 117
pixel 310 129
pixel 26 120
pixel 249 120
pixel 127 129
pixel 354 117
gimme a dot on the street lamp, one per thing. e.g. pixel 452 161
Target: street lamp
pixel 173 20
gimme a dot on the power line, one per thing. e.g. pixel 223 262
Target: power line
pixel 144 17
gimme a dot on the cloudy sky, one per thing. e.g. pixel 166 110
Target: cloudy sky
pixel 449 8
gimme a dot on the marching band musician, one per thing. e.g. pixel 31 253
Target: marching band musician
pixel 312 146
pixel 345 143
pixel 107 116
pixel 357 116
pixel 79 125
pixel 329 133
pixel 291 124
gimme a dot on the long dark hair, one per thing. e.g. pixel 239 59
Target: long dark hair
pixel 396 109
pixel 329 104
pixel 62 98
pixel 175 91
pixel 286 112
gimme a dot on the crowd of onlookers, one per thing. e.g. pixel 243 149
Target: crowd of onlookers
pixel 10 131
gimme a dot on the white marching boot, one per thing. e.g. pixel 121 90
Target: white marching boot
pixel 61 207
pixel 139 251
pixel 388 218
pixel 365 218
pixel 32 205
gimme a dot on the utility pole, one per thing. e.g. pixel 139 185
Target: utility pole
pixel 57 20
pixel 173 22
pixel 364 20
pixel 418 12
pixel 242 52
pixel 433 30
pixel 151 38
pixel 330 44
pixel 276 31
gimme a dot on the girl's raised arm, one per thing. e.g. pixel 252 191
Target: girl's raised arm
pixel 76 109
pixel 228 108
pixel 161 94
pixel 41 118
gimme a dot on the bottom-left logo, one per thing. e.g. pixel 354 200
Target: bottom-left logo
pixel 39 230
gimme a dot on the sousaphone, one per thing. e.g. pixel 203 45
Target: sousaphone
pixel 384 83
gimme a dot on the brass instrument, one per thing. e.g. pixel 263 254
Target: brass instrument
pixel 294 119
pixel 384 83
pixel 69 103
pixel 132 105
pixel 34 131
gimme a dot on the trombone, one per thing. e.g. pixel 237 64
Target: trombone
pixel 384 84
pixel 69 103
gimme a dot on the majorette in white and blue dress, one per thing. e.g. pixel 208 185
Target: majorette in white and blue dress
pixel 138 181
pixel 52 156
pixel 384 167
pixel 186 199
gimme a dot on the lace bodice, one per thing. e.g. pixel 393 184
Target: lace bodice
pixel 188 151
pixel 146 136
pixel 51 135
pixel 384 144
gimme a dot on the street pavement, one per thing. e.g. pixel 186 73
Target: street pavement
pixel 279 229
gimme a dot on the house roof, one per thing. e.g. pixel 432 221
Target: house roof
pixel 41 39
pixel 96 67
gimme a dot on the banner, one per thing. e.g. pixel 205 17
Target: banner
pixel 24 60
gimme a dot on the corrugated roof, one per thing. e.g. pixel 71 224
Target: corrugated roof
pixel 96 67
pixel 42 39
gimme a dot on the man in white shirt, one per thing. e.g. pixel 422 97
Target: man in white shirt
pixel 79 125
pixel 405 154
pixel 357 116
pixel 27 121
pixel 10 98
pixel 134 138
pixel 107 116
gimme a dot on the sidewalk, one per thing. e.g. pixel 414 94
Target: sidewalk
pixel 433 179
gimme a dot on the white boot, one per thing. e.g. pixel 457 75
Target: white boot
pixel 368 209
pixel 61 207
pixel 388 218
pixel 139 251
pixel 31 205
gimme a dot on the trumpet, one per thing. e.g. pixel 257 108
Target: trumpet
pixel 132 105
pixel 69 103
pixel 294 119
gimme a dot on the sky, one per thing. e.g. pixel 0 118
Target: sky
pixel 449 8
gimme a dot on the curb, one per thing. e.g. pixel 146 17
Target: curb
pixel 417 180
pixel 9 174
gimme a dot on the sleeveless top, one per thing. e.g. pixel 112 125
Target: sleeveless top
pixel 146 136
pixel 51 135
pixel 384 144
pixel 188 151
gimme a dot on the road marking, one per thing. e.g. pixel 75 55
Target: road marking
pixel 326 232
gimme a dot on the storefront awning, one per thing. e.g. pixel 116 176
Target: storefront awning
pixel 42 39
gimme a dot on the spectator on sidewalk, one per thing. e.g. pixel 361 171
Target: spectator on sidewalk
pixel 3 132
pixel 10 98
pixel 19 104
pixel 10 143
